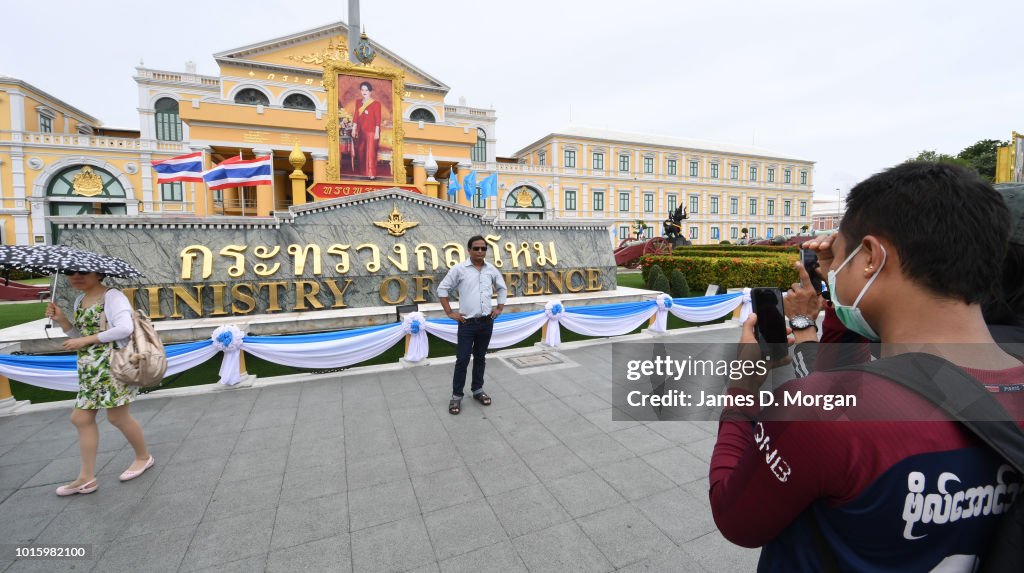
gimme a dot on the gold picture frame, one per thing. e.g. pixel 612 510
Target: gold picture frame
pixel 332 71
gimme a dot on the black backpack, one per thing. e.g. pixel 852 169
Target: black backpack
pixel 967 401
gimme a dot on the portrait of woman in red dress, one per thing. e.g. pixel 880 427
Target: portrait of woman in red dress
pixel 366 131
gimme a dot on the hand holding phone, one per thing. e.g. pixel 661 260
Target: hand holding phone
pixel 771 322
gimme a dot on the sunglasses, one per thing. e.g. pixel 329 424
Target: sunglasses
pixel 73 273
pixel 478 249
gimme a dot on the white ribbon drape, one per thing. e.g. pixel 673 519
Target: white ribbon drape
pixel 665 304
pixel 588 325
pixel 228 339
pixel 507 331
pixel 414 325
pixel 554 312
pixel 329 353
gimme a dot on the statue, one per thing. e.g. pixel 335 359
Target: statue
pixel 673 228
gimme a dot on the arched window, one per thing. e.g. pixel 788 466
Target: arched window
pixel 480 149
pixel 524 203
pixel 250 96
pixel 168 122
pixel 299 101
pixel 98 193
pixel 421 114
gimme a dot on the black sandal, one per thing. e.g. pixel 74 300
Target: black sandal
pixel 483 398
pixel 454 407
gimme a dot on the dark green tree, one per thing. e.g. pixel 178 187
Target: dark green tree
pixel 982 157
pixel 677 282
pixel 936 157
pixel 660 284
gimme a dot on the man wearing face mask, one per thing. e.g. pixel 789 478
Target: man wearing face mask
pixel 886 485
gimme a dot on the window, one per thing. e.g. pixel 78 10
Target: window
pixel 769 233
pixel 648 202
pixel 671 166
pixel 803 178
pixel 734 232
pixel 479 153
pixel 753 207
pixel 168 122
pixel 171 191
pixel 752 232
pixel 524 203
pixel 787 208
pixel 570 200
pixel 787 231
pixel 734 206
pixel 734 172
pixel 599 200
pixel 301 101
pixel 714 171
pixel 570 158
pixel 769 207
pixel 624 232
pixel 45 123
pixel 787 176
pixel 803 208
pixel 694 203
pixel 694 233
pixel 623 163
pixel 753 173
pixel 598 162
pixel 694 169
pixel 624 201
pixel 419 114
pixel 673 201
pixel 478 199
pixel 648 165
pixel 714 205
pixel 250 96
pixel 771 175
pixel 542 158
pixel 714 233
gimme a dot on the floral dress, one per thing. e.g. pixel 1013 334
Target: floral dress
pixel 96 389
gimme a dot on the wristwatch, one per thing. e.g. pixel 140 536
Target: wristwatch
pixel 800 322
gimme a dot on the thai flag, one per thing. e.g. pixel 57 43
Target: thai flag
pixel 237 172
pixel 181 168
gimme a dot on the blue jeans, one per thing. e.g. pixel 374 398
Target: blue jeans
pixel 473 340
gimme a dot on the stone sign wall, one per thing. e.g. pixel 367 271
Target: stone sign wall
pixel 382 248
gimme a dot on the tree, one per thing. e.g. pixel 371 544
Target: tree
pixel 982 157
pixel 805 228
pixel 935 157
pixel 677 283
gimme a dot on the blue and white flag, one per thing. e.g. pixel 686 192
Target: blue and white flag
pixel 453 183
pixel 489 186
pixel 238 172
pixel 469 185
pixel 181 168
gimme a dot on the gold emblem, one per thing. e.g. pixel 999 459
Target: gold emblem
pixel 396 223
pixel 334 53
pixel 524 198
pixel 87 183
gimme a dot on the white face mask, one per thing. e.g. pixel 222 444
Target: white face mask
pixel 851 316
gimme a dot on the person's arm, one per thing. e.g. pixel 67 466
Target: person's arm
pixel 376 120
pixel 449 282
pixel 120 322
pixel 499 283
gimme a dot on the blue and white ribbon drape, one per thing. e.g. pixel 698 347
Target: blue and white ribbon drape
pixel 348 347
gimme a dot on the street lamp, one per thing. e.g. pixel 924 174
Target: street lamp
pixel 839 208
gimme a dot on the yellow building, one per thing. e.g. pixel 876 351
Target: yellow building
pixel 268 98
pixel 1010 161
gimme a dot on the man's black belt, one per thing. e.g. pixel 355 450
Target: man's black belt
pixel 484 318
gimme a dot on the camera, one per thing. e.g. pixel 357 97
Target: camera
pixel 809 258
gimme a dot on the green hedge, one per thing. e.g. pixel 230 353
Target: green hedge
pixel 736 254
pixel 740 248
pixel 727 272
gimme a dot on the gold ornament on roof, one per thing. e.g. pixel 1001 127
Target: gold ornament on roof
pixel 297 158
pixel 87 183
pixel 396 223
pixel 524 198
pixel 334 53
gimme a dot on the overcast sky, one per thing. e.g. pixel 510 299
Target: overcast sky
pixel 854 86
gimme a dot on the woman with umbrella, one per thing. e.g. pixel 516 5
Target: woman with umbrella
pixel 101 317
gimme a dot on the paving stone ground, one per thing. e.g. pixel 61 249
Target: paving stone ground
pixel 368 472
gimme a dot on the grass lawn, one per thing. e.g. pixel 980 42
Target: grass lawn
pixel 39 281
pixel 206 373
pixel 20 313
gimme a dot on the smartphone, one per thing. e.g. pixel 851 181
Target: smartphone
pixel 771 321
pixel 809 259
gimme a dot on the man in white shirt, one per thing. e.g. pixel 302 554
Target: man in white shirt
pixel 475 280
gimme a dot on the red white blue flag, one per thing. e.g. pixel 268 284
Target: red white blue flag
pixel 237 172
pixel 181 168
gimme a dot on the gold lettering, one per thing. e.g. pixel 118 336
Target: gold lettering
pixel 238 269
pixel 403 257
pixel 130 293
pixel 271 76
pixel 302 297
pixel 542 258
pixel 533 283
pixel 218 300
pixel 188 256
pixel 194 303
pixel 342 251
pixel 523 250
pixel 512 281
pixel 272 290
pixel 423 287
pixel 492 242
pixel 569 282
pixel 238 296
pixel 309 82
pixel 374 265
pixel 385 290
pixel 453 254
pixel 153 294
pixel 339 294
pixel 593 280
pixel 262 252
pixel 300 253
pixel 554 281
pixel 421 264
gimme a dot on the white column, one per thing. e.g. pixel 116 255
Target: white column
pixel 146 170
pixel 17 103
pixel 554 154
pixel 67 123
